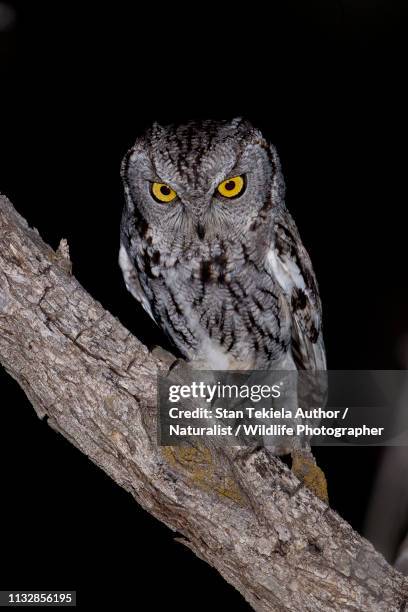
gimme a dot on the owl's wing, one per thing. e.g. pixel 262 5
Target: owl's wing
pixel 132 281
pixel 289 263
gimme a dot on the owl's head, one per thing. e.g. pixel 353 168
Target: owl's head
pixel 201 181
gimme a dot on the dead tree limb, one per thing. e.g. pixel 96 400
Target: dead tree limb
pixel 280 546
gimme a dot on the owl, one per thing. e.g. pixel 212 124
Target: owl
pixel 211 252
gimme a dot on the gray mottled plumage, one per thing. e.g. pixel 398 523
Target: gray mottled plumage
pixel 229 281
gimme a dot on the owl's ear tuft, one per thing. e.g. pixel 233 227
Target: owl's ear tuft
pixel 236 121
pixel 156 128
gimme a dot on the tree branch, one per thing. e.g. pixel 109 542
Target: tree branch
pixel 250 518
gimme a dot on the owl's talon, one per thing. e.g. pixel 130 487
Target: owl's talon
pixel 180 365
pixel 305 468
pixel 168 359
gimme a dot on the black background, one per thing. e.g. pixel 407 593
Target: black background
pixel 325 82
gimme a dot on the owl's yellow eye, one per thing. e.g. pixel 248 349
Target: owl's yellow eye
pixel 232 187
pixel 162 192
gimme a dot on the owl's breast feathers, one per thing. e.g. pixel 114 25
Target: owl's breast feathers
pixel 227 306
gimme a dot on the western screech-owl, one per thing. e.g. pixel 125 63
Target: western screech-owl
pixel 211 252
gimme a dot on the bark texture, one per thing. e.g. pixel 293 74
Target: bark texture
pixel 245 514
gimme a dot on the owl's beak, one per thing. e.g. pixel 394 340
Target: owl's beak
pixel 200 229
